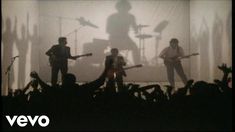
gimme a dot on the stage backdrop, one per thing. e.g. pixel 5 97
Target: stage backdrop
pixel 211 36
pixel 31 27
pixel 111 25
pixel 20 33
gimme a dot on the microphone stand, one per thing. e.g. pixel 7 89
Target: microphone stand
pixel 8 71
pixel 60 18
pixel 75 31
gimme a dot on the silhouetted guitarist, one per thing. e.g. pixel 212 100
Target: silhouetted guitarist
pixel 114 65
pixel 171 56
pixel 59 55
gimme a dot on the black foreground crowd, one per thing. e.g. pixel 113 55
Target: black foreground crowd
pixel 196 106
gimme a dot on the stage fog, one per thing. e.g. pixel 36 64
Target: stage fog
pixel 31 27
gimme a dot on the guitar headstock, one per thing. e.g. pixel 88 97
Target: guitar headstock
pixel 195 54
pixel 89 54
pixel 139 65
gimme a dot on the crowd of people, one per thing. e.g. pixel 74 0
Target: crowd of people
pixel 196 106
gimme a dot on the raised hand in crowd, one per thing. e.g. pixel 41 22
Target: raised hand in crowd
pixel 35 75
pixel 225 69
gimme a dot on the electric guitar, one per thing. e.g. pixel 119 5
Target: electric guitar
pixel 175 59
pixel 112 73
pixel 53 59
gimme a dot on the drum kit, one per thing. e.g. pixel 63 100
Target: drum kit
pixel 84 22
pixel 141 36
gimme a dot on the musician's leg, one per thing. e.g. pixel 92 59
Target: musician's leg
pixel 136 55
pixel 135 52
pixel 119 80
pixel 64 70
pixel 54 75
pixel 180 71
pixel 110 86
pixel 170 74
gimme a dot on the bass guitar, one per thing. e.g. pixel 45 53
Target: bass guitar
pixel 175 59
pixel 53 59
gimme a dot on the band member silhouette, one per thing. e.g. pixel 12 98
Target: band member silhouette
pixel 114 65
pixel 58 57
pixel 118 26
pixel 171 56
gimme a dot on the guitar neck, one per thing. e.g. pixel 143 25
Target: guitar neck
pixel 77 56
pixel 129 67
pixel 187 56
pixel 179 58
pixel 126 68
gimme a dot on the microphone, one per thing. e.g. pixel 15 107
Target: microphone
pixel 84 22
pixel 12 60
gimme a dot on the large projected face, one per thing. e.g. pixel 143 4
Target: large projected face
pixel 139 29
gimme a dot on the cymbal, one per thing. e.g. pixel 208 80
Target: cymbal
pixel 162 25
pixel 144 36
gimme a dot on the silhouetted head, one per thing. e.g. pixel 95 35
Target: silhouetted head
pixel 62 40
pixel 69 79
pixel 123 6
pixel 114 51
pixel 174 43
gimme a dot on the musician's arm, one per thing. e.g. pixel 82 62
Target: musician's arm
pixel 50 51
pixel 134 25
pixel 94 85
pixel 26 87
pixel 107 62
pixel 70 56
pixel 163 54
pixel 73 57
pixel 181 52
pixel 123 61
pixel 41 83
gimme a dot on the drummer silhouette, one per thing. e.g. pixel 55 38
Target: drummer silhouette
pixel 118 27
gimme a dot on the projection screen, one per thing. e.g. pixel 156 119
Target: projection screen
pixel 157 21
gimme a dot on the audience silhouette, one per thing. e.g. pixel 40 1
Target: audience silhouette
pixel 197 106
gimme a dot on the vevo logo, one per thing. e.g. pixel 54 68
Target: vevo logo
pixel 22 120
